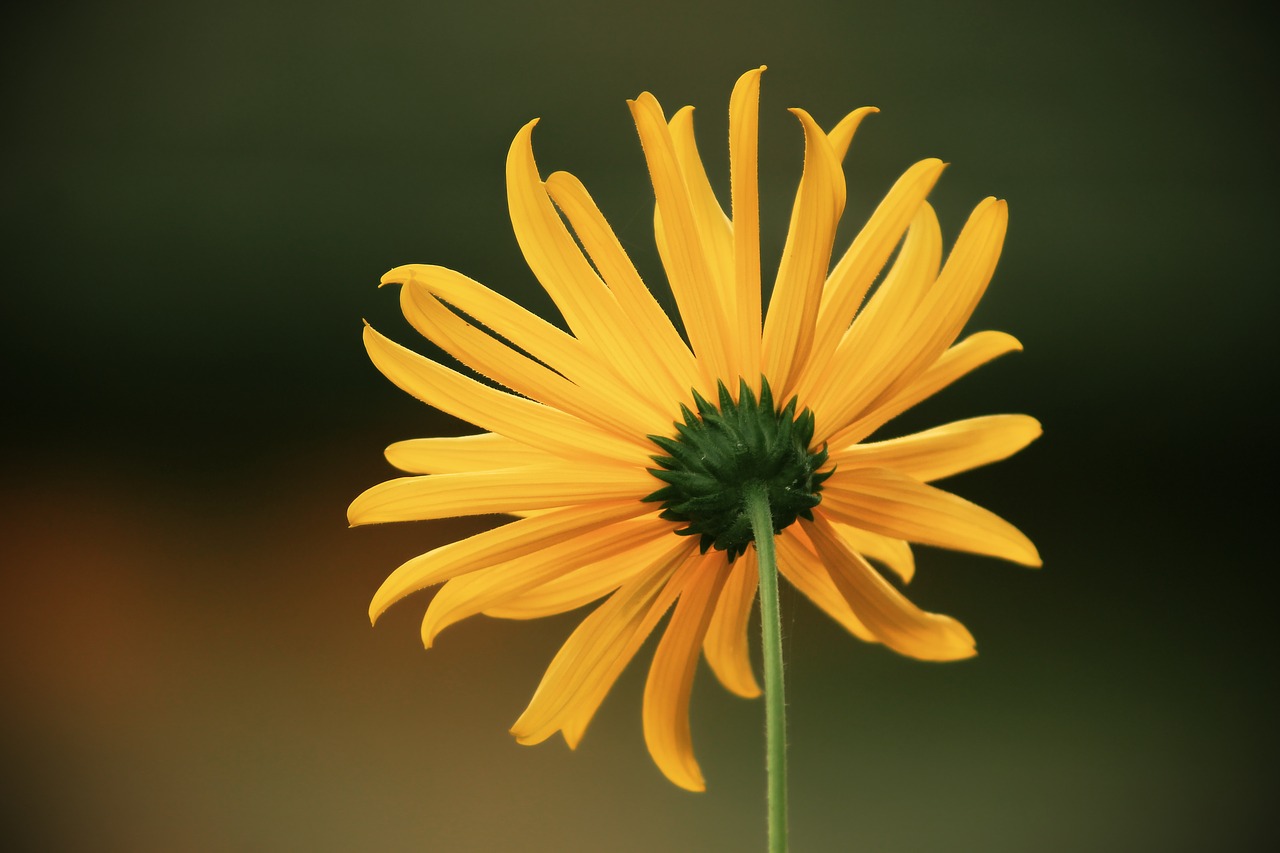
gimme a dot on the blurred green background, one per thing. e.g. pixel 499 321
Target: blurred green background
pixel 199 199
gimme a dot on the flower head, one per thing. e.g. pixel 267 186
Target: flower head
pixel 623 446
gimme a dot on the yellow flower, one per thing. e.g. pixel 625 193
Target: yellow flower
pixel 569 450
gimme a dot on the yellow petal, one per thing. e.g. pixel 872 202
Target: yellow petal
pixel 893 619
pixel 501 491
pixel 589 307
pixel 562 353
pixel 793 308
pixel 456 454
pixel 800 565
pixel 952 299
pixel 617 411
pixel 867 255
pixel 895 554
pixel 701 307
pixel 600 647
pixel 667 690
pixel 475 592
pixel 893 504
pixel 913 346
pixel 522 420
pixel 841 136
pixel 584 585
pixel 715 233
pixel 508 542
pixel 726 644
pixel 945 450
pixel 550 345
pixel 957 362
pixel 879 325
pixel 744 183
pixel 676 372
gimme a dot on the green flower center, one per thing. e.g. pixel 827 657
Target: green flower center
pixel 720 451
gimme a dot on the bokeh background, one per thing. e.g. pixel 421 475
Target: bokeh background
pixel 198 200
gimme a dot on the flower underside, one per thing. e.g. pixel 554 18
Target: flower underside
pixel 720 452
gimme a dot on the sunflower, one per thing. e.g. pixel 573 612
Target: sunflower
pixel 624 449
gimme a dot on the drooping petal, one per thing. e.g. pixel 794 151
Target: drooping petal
pixel 945 450
pixel 475 592
pixel 523 420
pixel 894 504
pixel 726 645
pixel 502 544
pixel 600 647
pixel 582 586
pixel 701 307
pixel 867 255
pixel 667 690
pixel 800 564
pixel 895 554
pixel 797 292
pixel 457 454
pixel 893 619
pixel 957 362
pixel 501 491
pixel 744 184
pixel 676 369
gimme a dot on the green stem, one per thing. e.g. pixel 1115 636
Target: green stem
pixel 757 506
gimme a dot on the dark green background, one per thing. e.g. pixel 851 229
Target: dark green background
pixel 198 201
